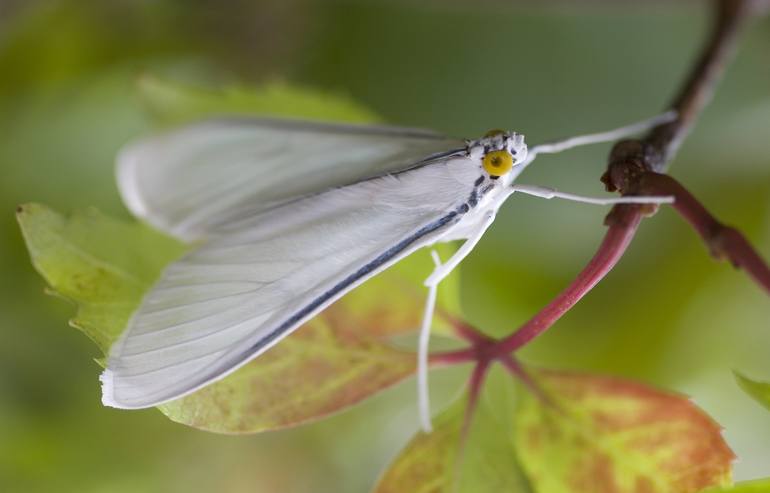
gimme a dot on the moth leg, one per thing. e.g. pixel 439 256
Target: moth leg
pixel 550 193
pixel 442 271
pixel 439 273
pixel 608 136
pixel 423 396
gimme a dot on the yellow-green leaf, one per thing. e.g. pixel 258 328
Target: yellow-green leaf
pixel 443 462
pixel 760 391
pixel 172 103
pixel 613 435
pixel 101 264
pixel 756 486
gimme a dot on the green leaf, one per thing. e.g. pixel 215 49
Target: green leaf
pixel 428 461
pixel 755 486
pixel 608 434
pixel 594 434
pixel 441 461
pixel 334 361
pixel 171 103
pixel 101 264
pixel 760 391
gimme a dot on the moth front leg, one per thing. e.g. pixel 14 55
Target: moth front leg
pixel 440 272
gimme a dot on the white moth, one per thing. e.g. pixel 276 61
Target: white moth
pixel 286 217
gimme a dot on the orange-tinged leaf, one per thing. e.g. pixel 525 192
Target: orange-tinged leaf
pixel 608 435
pixel 427 463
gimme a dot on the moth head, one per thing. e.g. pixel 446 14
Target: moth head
pixel 501 151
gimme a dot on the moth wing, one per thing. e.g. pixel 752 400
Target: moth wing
pixel 263 276
pixel 190 181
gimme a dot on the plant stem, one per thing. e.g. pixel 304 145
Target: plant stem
pixel 722 241
pixel 615 242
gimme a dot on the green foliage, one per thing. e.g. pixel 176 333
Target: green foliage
pixel 667 314
pixel 101 264
pixel 760 391
pixel 619 433
pixel 334 361
pixel 428 462
pixel 757 486
pixel 591 434
pixel 171 103
pixel 482 461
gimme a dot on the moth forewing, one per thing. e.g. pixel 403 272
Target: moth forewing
pixel 255 282
pixel 188 182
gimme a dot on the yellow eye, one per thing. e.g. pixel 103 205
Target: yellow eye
pixel 498 163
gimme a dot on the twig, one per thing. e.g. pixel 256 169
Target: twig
pixel 475 384
pixel 724 242
pixel 464 330
pixel 452 357
pixel 618 236
pixel 630 158
pixel 730 16
pixel 635 168
pixel 633 163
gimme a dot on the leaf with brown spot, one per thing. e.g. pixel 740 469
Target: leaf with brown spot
pixel 608 435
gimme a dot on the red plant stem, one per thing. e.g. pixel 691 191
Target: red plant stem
pixel 723 241
pixel 630 160
pixel 616 240
pixel 634 168
pixel 517 370
pixel 452 357
pixel 474 389
pixel 466 331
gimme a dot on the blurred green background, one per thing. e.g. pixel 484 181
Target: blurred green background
pixel 668 315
